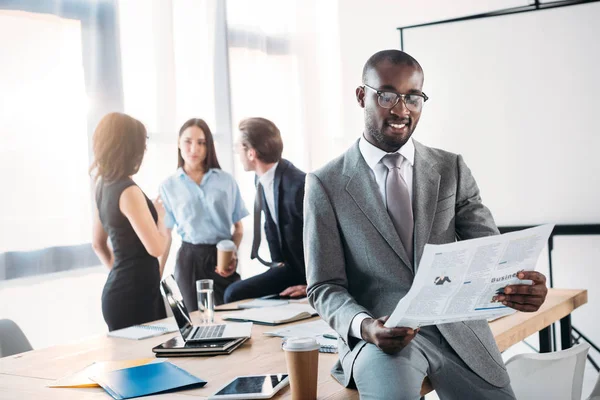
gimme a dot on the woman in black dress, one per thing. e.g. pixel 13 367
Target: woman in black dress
pixel 133 223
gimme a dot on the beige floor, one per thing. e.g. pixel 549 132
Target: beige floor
pixel 65 307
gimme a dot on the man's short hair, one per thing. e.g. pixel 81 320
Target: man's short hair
pixel 264 137
pixel 393 56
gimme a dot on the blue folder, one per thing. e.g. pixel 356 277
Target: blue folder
pixel 145 380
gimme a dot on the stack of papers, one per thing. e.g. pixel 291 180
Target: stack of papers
pixel 274 315
pixel 312 329
pixel 323 333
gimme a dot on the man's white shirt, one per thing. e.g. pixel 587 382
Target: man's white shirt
pixel 267 180
pixel 372 156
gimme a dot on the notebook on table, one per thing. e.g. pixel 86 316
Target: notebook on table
pixel 176 347
pixel 139 332
pixel 274 315
pixel 146 380
pixel 261 303
pixel 256 303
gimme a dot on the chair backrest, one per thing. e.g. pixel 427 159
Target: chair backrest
pixel 12 339
pixel 595 395
pixel 556 375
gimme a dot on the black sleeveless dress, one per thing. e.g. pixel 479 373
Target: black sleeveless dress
pixel 131 294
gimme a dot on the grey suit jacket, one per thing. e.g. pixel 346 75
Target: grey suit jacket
pixel 355 261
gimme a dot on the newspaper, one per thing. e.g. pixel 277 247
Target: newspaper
pixel 457 281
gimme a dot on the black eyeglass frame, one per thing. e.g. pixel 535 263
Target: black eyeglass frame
pixel 399 96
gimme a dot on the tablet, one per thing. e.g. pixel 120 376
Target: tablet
pixel 252 387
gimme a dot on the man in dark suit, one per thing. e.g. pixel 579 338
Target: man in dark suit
pixel 280 194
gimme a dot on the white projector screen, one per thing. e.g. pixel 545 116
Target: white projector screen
pixel 519 97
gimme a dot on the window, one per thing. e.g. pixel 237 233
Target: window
pixel 43 133
pixel 265 82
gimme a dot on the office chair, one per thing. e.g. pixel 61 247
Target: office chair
pixel 557 375
pixel 12 339
pixel 595 395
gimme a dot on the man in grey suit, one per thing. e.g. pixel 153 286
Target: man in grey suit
pixel 368 215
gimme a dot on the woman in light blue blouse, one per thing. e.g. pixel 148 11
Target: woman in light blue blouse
pixel 205 204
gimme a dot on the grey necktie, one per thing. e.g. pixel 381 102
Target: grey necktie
pixel 398 201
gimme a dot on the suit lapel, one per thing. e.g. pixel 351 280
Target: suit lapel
pixel 426 184
pixel 364 191
pixel 277 184
pixel 281 167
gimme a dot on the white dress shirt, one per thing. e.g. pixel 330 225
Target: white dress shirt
pixel 267 180
pixel 372 156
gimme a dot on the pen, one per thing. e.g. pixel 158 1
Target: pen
pixel 329 336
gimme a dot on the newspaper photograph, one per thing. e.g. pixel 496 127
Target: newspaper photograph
pixel 458 281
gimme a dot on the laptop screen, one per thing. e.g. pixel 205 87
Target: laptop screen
pixel 175 300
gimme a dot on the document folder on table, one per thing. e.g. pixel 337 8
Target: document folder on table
pixel 81 378
pixel 145 380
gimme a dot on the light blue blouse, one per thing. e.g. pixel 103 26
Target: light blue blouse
pixel 205 213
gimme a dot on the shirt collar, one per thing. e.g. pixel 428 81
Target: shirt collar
pixel 373 155
pixel 181 173
pixel 269 176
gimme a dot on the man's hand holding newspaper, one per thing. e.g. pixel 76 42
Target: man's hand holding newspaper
pixel 526 298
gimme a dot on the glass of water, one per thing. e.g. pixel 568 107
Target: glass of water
pixel 206 303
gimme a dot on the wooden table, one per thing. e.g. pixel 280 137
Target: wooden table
pixel 25 376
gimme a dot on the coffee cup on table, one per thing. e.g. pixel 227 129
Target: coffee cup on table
pixel 225 251
pixel 302 359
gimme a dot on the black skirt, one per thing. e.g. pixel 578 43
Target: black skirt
pixel 131 295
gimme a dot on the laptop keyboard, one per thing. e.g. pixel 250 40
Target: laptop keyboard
pixel 210 331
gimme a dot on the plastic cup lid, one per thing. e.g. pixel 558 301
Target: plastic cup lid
pixel 300 344
pixel 226 245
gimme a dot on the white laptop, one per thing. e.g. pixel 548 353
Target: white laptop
pixel 200 333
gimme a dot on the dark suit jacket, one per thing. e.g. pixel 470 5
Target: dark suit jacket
pixel 285 243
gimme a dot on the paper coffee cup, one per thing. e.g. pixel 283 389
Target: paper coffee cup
pixel 302 359
pixel 225 250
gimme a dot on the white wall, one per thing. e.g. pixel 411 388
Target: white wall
pixel 366 28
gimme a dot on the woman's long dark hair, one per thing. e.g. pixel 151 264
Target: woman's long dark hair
pixel 211 154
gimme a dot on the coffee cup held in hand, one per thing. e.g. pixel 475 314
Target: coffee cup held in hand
pixel 225 251
pixel 302 359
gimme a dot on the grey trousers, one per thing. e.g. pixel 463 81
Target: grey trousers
pixel 399 376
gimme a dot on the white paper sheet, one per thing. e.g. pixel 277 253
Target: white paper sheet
pixel 323 333
pixel 457 281
pixel 314 329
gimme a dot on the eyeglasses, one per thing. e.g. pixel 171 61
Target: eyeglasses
pixel 412 101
